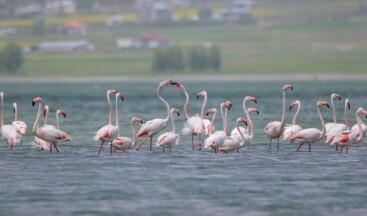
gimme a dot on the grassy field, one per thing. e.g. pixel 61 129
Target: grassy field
pixel 335 46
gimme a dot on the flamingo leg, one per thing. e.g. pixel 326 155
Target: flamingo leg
pixel 111 147
pixel 151 140
pixel 200 141
pixel 50 147
pixel 309 147
pixel 278 144
pixel 341 149
pixel 299 146
pixel 100 147
pixel 270 143
pixel 336 147
pixel 57 150
pixel 347 150
pixel 115 150
pixel 215 150
pixel 138 148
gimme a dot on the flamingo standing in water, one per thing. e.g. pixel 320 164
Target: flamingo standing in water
pixel 171 138
pixel 355 128
pixel 347 138
pixel 330 125
pixel 216 139
pixel 205 121
pixel 311 135
pixel 214 111
pixel 8 131
pixel 233 143
pixel 152 127
pixel 289 130
pixel 275 129
pixel 108 132
pixel 234 131
pixel 194 125
pixel 48 133
pixel 21 126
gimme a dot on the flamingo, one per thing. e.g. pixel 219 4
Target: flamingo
pixel 21 126
pixel 154 126
pixel 214 111
pixel 216 139
pixel 234 131
pixel 347 138
pixel 9 132
pixel 274 129
pixel 311 135
pixel 47 133
pixel 125 143
pixel 294 127
pixel 108 132
pixel 232 143
pixel 205 121
pixel 330 125
pixel 171 138
pixel 194 125
pixel 363 126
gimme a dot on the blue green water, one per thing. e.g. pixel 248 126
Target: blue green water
pixel 256 181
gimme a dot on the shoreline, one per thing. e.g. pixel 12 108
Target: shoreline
pixel 187 78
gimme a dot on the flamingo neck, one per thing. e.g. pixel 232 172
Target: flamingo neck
pixel 240 132
pixel 46 117
pixel 110 107
pixel 57 121
pixel 165 103
pixel 133 131
pixel 333 109
pixel 283 113
pixel 36 122
pixel 2 110
pixel 296 114
pixel 15 113
pixel 186 105
pixel 224 119
pixel 322 121
pixel 250 130
pixel 203 107
pixel 359 122
pixel 212 123
pixel 117 114
pixel 346 117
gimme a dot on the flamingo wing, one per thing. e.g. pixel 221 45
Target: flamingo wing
pixel 230 144
pixel 152 127
pixel 20 126
pixel 167 139
pixel 273 128
pixel 106 133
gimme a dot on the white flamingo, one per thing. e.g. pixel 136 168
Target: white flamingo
pixel 108 132
pixel 194 125
pixel 153 127
pixel 355 128
pixel 275 129
pixel 289 130
pixel 125 143
pixel 330 125
pixel 233 143
pixel 347 138
pixel 170 138
pixel 311 135
pixel 8 131
pixel 214 111
pixel 47 133
pixel 206 122
pixel 21 126
pixel 216 139
pixel 234 131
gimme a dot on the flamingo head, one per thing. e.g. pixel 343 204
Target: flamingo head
pixel 45 110
pixel 322 103
pixel 201 94
pixel 287 86
pixel 348 103
pixel 228 104
pixel 212 110
pixel 335 95
pixel 166 82
pixel 111 91
pixel 180 86
pixel 174 110
pixel 249 98
pixel 2 94
pixel 243 120
pixel 36 100
pixel 294 103
pixel 14 107
pixel 136 119
pixel 251 110
pixel 119 95
pixel 61 112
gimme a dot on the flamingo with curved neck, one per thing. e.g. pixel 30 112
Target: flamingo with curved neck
pixel 21 126
pixel 170 138
pixel 234 131
pixel 289 130
pixel 233 143
pixel 275 129
pixel 214 111
pixel 9 132
pixel 311 135
pixel 125 143
pixel 109 93
pixel 205 121
pixel 152 127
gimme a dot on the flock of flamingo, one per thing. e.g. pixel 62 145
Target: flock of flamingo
pixel 336 134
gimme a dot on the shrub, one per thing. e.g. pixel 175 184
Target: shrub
pixel 11 58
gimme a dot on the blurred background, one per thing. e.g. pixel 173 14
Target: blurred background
pixel 146 37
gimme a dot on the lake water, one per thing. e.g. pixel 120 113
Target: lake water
pixel 256 181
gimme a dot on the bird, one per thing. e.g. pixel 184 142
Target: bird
pixel 154 126
pixel 214 111
pixel 347 138
pixel 8 131
pixel 233 143
pixel 170 138
pixel 311 135
pixel 47 133
pixel 125 143
pixel 20 126
pixel 108 132
pixel 329 125
pixel 293 128
pixel 234 131
pixel 275 129
pixel 356 129
pixel 194 125
pixel 216 139
pixel 205 121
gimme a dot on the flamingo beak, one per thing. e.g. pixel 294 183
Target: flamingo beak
pixel 178 114
pixel 327 105
pixel 122 97
pixel 257 111
pixel 290 107
pixel 172 83
pixel 33 103
pixel 255 101
pixel 349 106
pixel 13 110
pixel 44 112
pixel 64 114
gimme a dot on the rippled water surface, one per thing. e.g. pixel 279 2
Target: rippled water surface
pixel 256 181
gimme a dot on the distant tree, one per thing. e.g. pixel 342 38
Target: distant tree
pixel 169 59
pixel 215 58
pixel 12 58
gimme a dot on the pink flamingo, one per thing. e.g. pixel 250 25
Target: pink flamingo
pixel 171 138
pixel 289 130
pixel 214 111
pixel 233 143
pixel 125 143
pixel 194 125
pixel 153 127
pixel 108 132
pixel 330 125
pixel 216 139
pixel 205 121
pixel 234 131
pixel 355 128
pixel 48 133
pixel 21 126
pixel 347 138
pixel 275 129
pixel 311 135
pixel 9 132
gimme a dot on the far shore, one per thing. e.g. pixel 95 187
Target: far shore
pixel 186 77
